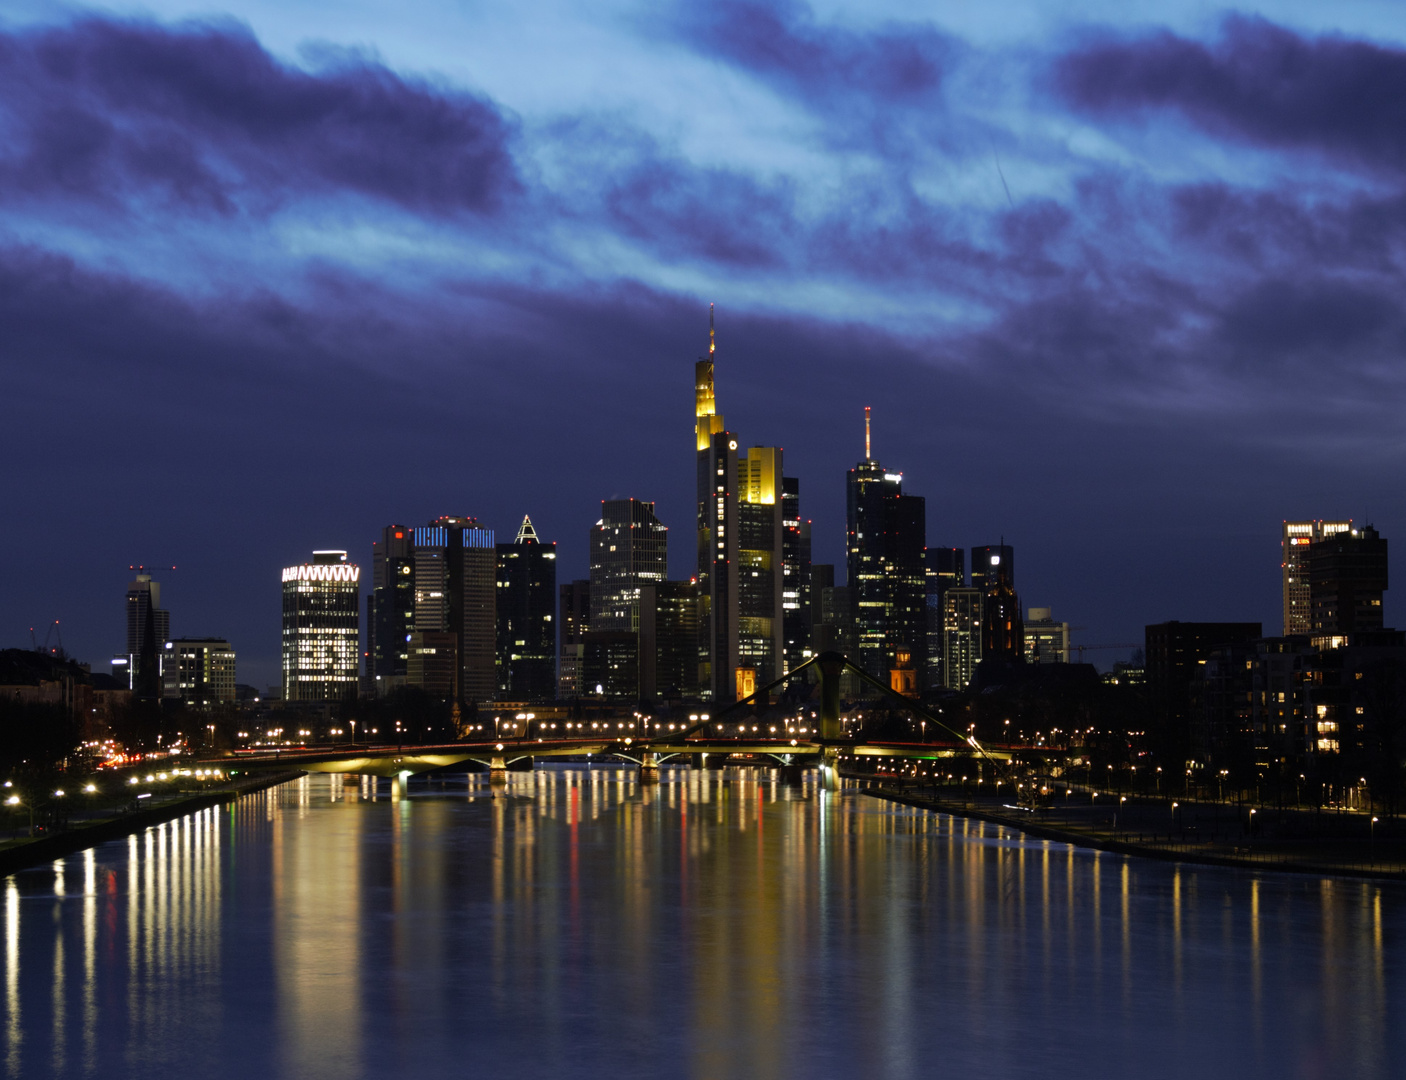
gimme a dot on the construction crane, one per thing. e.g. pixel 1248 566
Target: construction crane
pixel 51 633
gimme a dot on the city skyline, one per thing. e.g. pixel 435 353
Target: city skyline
pixel 1083 305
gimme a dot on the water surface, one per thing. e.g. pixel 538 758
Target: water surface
pixel 718 925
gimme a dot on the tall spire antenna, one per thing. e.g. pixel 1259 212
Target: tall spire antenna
pixel 867 456
pixel 711 344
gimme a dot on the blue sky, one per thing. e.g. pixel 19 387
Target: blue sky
pixel 1122 283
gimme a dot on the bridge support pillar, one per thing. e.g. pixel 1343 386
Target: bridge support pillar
pixel 497 771
pixel 791 775
pixel 649 767
pixel 400 786
pixel 830 769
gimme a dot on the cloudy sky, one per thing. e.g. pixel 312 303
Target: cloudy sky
pixel 1123 286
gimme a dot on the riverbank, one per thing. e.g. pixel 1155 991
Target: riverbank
pixel 1308 856
pixel 45 849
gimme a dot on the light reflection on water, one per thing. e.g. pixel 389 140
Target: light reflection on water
pixel 718 925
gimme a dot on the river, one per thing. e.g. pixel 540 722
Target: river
pixel 718 925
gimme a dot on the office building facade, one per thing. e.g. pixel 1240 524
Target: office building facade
pixel 944 568
pixel 574 619
pixel 1046 641
pixel 795 588
pixel 1347 575
pixel 963 610
pixel 886 538
pixel 390 607
pixel 1295 541
pixel 198 671
pixel 741 552
pixel 526 613
pixel 321 628
pixel 1003 625
pixel 456 580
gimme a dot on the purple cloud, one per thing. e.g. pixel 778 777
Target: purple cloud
pixel 202 114
pixel 1260 83
pixel 823 64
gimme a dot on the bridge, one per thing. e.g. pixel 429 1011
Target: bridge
pixel 822 742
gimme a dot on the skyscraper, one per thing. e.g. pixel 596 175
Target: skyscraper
pixel 1294 542
pixel 963 607
pixel 526 610
pixel 390 607
pixel 741 551
pixel 456 575
pixel 574 618
pixel 945 568
pixel 668 640
pixel 1347 574
pixel 1003 628
pixel 886 534
pixel 321 627
pixel 795 588
pixel 629 550
pixel 148 629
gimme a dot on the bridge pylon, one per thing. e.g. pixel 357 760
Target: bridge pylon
pixel 497 771
pixel 649 767
pixel 831 666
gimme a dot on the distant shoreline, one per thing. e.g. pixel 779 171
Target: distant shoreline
pixel 1251 860
pixel 48 848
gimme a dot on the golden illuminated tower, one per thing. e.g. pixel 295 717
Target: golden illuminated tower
pixel 740 563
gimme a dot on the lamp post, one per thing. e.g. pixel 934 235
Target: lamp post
pixel 1372 827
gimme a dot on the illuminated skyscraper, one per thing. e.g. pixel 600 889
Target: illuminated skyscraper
pixel 1295 540
pixel 886 535
pixel 945 569
pixel 1347 574
pixel 741 552
pixel 574 618
pixel 321 628
pixel 963 607
pixel 390 607
pixel 629 550
pixel 526 612
pixel 795 586
pixel 1003 627
pixel 456 575
pixel 148 628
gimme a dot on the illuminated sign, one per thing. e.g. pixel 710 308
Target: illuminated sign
pixel 323 572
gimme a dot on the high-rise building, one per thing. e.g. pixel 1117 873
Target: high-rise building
pixel 321 628
pixel 574 617
pixel 456 575
pixel 148 628
pixel 668 641
pixel 390 607
pixel 1003 628
pixel 198 671
pixel 963 607
pixel 945 568
pixel 1295 541
pixel 1175 653
pixel 886 535
pixel 1046 641
pixel 629 550
pixel 526 613
pixel 795 588
pixel 741 552
pixel 1347 574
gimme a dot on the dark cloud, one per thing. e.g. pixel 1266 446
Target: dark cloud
pixel 1258 82
pixel 825 65
pixel 204 116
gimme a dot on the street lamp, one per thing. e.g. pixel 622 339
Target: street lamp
pixel 1373 837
